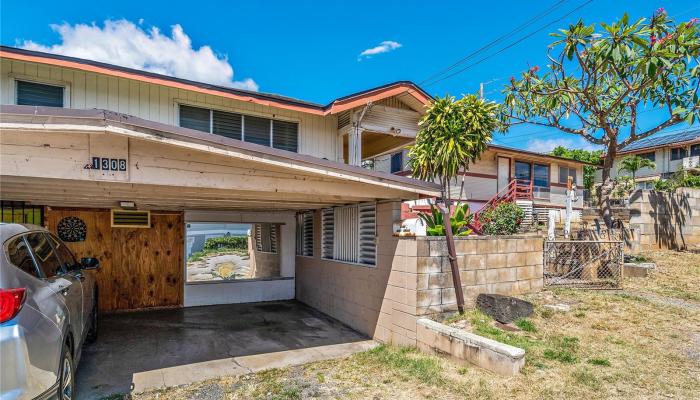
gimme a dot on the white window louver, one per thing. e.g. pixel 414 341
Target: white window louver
pixel 349 233
pixel 346 245
pixel 368 233
pixel 327 222
pixel 305 234
pixel 265 236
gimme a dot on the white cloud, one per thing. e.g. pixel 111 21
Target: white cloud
pixel 547 145
pixel 123 43
pixel 383 47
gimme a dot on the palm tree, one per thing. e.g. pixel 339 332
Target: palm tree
pixel 453 134
pixel 634 163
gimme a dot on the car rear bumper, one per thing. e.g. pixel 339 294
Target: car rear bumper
pixel 18 378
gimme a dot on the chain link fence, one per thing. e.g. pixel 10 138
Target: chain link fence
pixel 592 264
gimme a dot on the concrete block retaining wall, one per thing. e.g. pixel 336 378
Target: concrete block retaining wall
pixel 508 265
pixel 666 220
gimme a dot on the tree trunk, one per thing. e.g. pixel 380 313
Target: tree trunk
pixel 606 189
pixel 452 254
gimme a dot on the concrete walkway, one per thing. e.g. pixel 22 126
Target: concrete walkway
pixel 142 351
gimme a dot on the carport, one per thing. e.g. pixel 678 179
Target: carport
pixel 171 184
pixel 152 349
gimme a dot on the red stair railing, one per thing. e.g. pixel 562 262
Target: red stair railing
pixel 517 189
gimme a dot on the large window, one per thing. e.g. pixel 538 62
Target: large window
pixel 565 173
pixel 522 170
pixel 651 156
pixel 349 233
pixel 541 173
pixel 227 252
pixel 38 94
pixel 678 153
pixel 695 150
pixel 263 131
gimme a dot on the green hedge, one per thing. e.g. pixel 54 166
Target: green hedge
pixel 504 219
pixel 228 242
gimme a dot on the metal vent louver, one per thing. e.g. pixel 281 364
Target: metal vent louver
pixel 131 219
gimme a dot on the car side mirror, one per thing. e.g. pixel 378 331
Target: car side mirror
pixel 89 263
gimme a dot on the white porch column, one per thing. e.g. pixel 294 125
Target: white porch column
pixel 355 146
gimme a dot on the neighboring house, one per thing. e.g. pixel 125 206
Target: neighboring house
pixel 492 174
pixel 671 153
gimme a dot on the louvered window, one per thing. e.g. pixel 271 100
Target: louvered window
pixel 266 237
pixel 263 131
pixel 195 118
pixel 367 213
pixel 227 124
pixel 349 233
pixel 284 135
pixel 257 130
pixel 327 222
pixel 37 94
pixel 305 234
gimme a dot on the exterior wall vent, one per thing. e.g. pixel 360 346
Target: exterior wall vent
pixel 131 219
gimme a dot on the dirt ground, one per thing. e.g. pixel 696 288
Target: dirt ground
pixel 641 342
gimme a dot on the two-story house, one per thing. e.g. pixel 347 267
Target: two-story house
pixel 670 154
pixel 195 194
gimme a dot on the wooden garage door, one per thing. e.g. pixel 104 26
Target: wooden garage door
pixel 139 267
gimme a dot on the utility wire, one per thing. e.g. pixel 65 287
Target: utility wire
pixel 459 71
pixel 496 41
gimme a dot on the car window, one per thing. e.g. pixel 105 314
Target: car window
pixel 18 253
pixel 64 254
pixel 44 254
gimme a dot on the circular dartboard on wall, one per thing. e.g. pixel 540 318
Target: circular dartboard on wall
pixel 71 229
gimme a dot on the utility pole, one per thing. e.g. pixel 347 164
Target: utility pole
pixel 481 90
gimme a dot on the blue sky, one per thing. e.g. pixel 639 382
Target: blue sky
pixel 312 50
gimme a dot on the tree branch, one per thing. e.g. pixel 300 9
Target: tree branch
pixel 669 122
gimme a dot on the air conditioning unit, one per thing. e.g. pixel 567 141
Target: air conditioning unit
pixel 131 219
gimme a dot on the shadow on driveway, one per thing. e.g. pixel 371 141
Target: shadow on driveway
pixel 136 342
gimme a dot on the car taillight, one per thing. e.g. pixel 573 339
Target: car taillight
pixel 11 301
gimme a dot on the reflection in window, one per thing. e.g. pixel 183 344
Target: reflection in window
pixel 225 252
pixel 522 170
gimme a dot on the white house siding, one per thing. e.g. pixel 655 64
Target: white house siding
pixel 663 164
pixel 317 134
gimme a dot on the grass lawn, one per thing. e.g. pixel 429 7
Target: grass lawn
pixel 643 342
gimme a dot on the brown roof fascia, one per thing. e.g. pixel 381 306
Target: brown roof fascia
pixel 535 154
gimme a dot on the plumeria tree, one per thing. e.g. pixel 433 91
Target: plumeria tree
pixel 453 134
pixel 600 79
pixel 634 163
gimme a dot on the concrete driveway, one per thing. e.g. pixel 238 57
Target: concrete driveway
pixel 147 350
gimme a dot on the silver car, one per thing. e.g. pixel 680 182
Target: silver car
pixel 48 309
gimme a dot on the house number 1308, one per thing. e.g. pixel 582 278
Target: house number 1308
pixel 108 164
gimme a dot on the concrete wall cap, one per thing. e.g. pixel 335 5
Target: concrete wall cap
pixel 473 339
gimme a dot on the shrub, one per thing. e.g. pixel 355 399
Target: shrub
pixel 459 221
pixel 504 219
pixel 228 242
